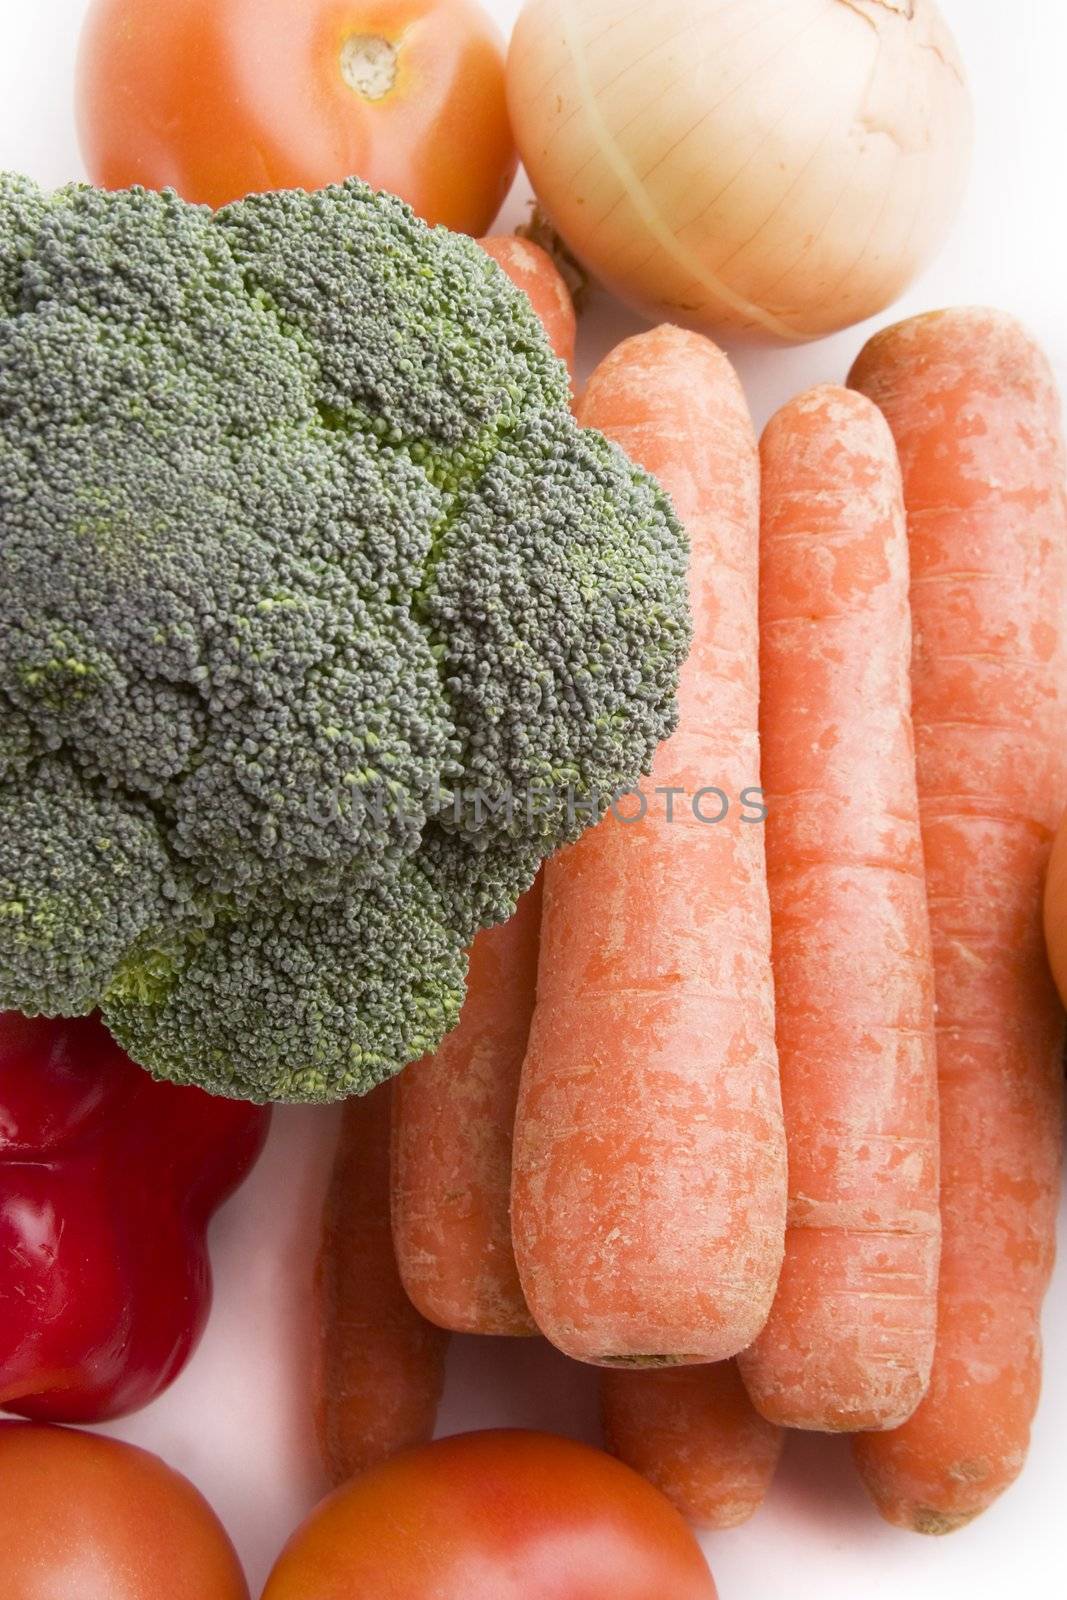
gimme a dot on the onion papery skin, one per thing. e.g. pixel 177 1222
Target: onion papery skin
pixel 770 170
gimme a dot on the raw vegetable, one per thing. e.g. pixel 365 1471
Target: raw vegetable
pixel 316 572
pixel 974 410
pixel 453 1125
pixel 494 1516
pixel 532 270
pixel 771 168
pixel 649 1181
pixel 88 1518
pixel 221 98
pixel 695 1434
pixel 108 1181
pixel 850 1337
pixel 1056 910
pixel 539 230
pixel 381 1366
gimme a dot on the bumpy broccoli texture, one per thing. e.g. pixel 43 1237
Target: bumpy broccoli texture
pixel 300 548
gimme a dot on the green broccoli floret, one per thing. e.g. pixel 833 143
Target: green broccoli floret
pixel 302 555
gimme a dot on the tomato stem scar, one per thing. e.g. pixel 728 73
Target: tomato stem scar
pixel 368 65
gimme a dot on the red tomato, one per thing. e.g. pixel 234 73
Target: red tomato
pixel 494 1516
pixel 87 1518
pixel 222 98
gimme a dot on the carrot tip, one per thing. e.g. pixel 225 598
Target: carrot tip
pixel 651 1361
pixel 926 1520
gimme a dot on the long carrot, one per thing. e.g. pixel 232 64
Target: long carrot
pixel 381 1365
pixel 532 269
pixel 695 1434
pixel 649 1183
pixel 973 408
pixel 454 1115
pixel 850 1339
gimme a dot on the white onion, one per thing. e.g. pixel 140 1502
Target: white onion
pixel 778 168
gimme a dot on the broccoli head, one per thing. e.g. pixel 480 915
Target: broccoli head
pixel 317 608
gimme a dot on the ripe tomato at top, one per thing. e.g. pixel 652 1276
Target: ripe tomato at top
pixel 222 98
pixel 494 1516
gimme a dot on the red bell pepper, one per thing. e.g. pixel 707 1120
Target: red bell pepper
pixel 108 1180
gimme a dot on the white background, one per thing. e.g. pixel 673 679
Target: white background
pixel 238 1421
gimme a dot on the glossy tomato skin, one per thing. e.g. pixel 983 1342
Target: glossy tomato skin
pixel 494 1516
pixel 221 98
pixel 87 1518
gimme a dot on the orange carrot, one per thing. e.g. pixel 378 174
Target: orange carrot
pixel 850 1338
pixel 973 408
pixel 454 1115
pixel 695 1434
pixel 649 1183
pixel 532 269
pixel 381 1366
